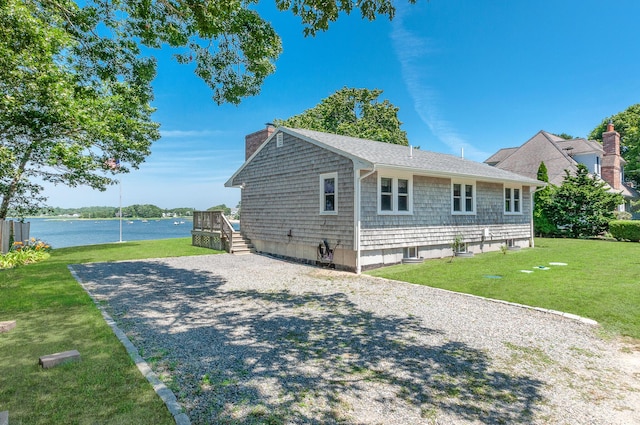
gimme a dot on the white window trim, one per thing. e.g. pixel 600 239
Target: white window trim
pixel 406 252
pixel 463 202
pixel 394 194
pixel 504 200
pixel 323 177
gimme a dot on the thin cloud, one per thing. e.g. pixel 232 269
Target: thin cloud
pixel 412 50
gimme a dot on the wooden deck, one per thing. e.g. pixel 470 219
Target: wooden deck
pixel 211 229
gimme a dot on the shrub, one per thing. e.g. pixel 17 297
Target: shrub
pixel 30 251
pixel 625 229
pixel 622 215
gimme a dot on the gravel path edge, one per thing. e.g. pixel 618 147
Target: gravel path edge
pixel 571 316
pixel 164 392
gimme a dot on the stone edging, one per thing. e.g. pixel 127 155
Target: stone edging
pixel 167 396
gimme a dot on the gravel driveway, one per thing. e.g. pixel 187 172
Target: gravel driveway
pixel 249 339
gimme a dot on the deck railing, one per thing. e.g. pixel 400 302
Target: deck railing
pixel 212 229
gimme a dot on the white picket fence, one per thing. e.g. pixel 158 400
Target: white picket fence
pixel 20 232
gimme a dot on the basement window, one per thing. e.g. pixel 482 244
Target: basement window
pixel 410 252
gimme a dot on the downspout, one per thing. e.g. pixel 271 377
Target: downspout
pixel 357 213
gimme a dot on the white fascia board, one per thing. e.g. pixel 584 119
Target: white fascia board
pixel 422 172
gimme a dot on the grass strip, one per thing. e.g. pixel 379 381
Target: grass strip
pixel 601 279
pixel 54 314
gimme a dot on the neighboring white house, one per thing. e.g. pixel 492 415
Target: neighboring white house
pixel 360 204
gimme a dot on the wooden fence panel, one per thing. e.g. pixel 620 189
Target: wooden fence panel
pixel 20 232
pixel 5 236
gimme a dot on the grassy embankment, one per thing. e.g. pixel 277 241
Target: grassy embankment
pixel 601 280
pixel 54 314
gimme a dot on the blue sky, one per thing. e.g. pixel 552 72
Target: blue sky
pixel 477 76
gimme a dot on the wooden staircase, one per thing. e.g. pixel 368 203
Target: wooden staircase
pixel 241 245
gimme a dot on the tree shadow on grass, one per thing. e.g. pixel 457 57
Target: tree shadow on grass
pixel 250 357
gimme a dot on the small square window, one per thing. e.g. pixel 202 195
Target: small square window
pixel 410 252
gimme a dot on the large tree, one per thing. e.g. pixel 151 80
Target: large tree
pixel 353 112
pixel 627 123
pixel 233 49
pixel 581 206
pixel 75 88
pixel 64 114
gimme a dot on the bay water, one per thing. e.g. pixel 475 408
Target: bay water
pixel 66 232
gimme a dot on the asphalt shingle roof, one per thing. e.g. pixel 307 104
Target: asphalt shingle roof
pixel 555 152
pixel 419 161
pixel 543 147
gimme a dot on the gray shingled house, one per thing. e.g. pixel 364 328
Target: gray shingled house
pixel 602 160
pixel 359 204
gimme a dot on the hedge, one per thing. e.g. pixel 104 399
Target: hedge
pixel 625 229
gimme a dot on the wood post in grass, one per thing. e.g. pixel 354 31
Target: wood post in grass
pixel 7 326
pixel 52 360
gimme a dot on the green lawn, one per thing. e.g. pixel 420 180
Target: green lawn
pixel 601 280
pixel 54 314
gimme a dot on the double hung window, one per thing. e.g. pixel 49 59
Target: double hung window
pixel 463 198
pixel 394 195
pixel 329 193
pixel 512 200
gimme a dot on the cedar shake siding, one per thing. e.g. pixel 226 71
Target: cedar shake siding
pixel 281 201
pixel 281 197
pixel 432 227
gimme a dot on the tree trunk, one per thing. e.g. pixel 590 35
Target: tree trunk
pixel 11 190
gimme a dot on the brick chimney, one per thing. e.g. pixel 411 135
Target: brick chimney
pixel 254 140
pixel 611 167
